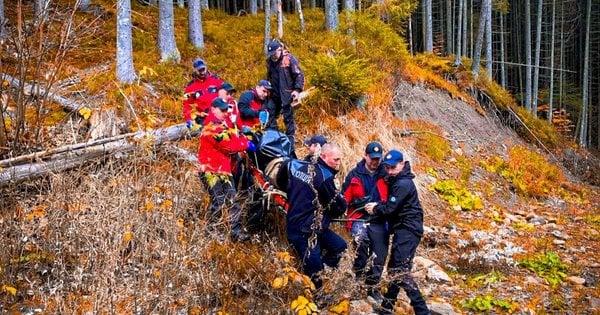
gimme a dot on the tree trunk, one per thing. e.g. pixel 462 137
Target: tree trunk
pixel 125 71
pixel 562 57
pixel 502 52
pixel 71 156
pixel 300 15
pixel 267 26
pixel 204 4
pixel 551 89
pixel 427 27
pixel 181 4
pixel 279 20
pixel 464 28
pixel 471 29
pixel 583 117
pixel 449 37
pixel 410 36
pixel 488 40
pixel 41 9
pixel 457 59
pixel 349 5
pixel 35 89
pixel 479 41
pixel 528 56
pixel 313 4
pixel 2 20
pixel 253 7
pixel 538 46
pixel 331 15
pixel 195 34
pixel 166 32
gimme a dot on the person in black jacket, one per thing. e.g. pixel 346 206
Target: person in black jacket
pixel 314 144
pixel 405 219
pixel 314 201
pixel 287 79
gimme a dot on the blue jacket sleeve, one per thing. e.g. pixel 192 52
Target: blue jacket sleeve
pixel 244 105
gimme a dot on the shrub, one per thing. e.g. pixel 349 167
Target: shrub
pixel 341 80
pixel 458 197
pixel 548 266
pixel 487 303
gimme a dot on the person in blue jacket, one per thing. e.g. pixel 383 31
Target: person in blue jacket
pixel 404 215
pixel 312 193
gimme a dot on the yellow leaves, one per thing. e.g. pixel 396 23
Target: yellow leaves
pixel 36 213
pixel 127 235
pixel 284 257
pixel 279 282
pixel 10 290
pixel 302 306
pixel 342 308
pixel 85 112
pixel 147 71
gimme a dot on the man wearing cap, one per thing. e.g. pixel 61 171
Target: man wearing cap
pixel 227 93
pixel 287 79
pixel 314 201
pixel 252 102
pixel 218 146
pixel 314 144
pixel 199 93
pixel 405 218
pixel 364 184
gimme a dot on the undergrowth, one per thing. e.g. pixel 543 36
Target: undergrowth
pixel 548 266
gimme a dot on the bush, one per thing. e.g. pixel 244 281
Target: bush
pixel 341 80
pixel 457 196
pixel 487 303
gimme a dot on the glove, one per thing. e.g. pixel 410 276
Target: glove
pixel 246 131
pixel 251 147
pixel 188 124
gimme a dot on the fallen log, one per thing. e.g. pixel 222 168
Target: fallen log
pixel 68 157
pixel 37 90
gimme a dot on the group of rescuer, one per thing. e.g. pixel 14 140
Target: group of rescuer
pixel 378 196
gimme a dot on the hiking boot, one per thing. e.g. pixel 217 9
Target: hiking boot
pixel 374 297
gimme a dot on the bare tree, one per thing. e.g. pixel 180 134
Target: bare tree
pixel 538 46
pixel 502 52
pixel 267 26
pixel 300 15
pixel 195 34
pixel 449 37
pixel 427 27
pixel 528 55
pixel 253 7
pixel 551 89
pixel 331 15
pixel 166 32
pixel 583 117
pixel 125 70
pixel 488 39
pixel 464 28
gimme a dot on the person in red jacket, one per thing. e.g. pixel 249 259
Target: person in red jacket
pixel 199 93
pixel 227 93
pixel 252 102
pixel 365 184
pixel 218 146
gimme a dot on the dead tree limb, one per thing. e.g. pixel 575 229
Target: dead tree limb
pixel 37 90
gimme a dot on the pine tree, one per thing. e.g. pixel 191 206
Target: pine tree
pixel 267 26
pixel 485 5
pixel 538 46
pixel 583 117
pixel 279 20
pixel 551 89
pixel 427 27
pixel 488 39
pixel 253 7
pixel 125 71
pixel 300 15
pixel 527 56
pixel 457 59
pixel 331 15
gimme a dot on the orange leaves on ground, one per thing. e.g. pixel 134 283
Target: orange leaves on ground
pixel 36 213
pixel 8 289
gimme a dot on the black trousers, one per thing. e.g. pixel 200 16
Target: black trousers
pixel 404 247
pixel 379 237
pixel 277 107
pixel 222 197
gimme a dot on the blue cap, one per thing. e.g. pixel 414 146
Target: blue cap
pixel 392 158
pixel 374 150
pixel 199 64
pixel 219 103
pixel 320 139
pixel 266 84
pixel 227 87
pixel 273 46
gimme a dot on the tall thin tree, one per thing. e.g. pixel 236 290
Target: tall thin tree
pixel 166 32
pixel 267 4
pixel 349 5
pixel 464 28
pixel 502 52
pixel 300 15
pixel 253 7
pixel 538 46
pixel 528 55
pixel 331 15
pixel 551 89
pixel 485 5
pixel 488 40
pixel 457 59
pixel 195 33
pixel 279 20
pixel 2 20
pixel 583 117
pixel 449 37
pixel 125 70
pixel 427 26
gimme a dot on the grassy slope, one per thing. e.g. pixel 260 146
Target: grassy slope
pixel 182 268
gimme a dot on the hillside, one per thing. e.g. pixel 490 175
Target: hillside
pixel 509 229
